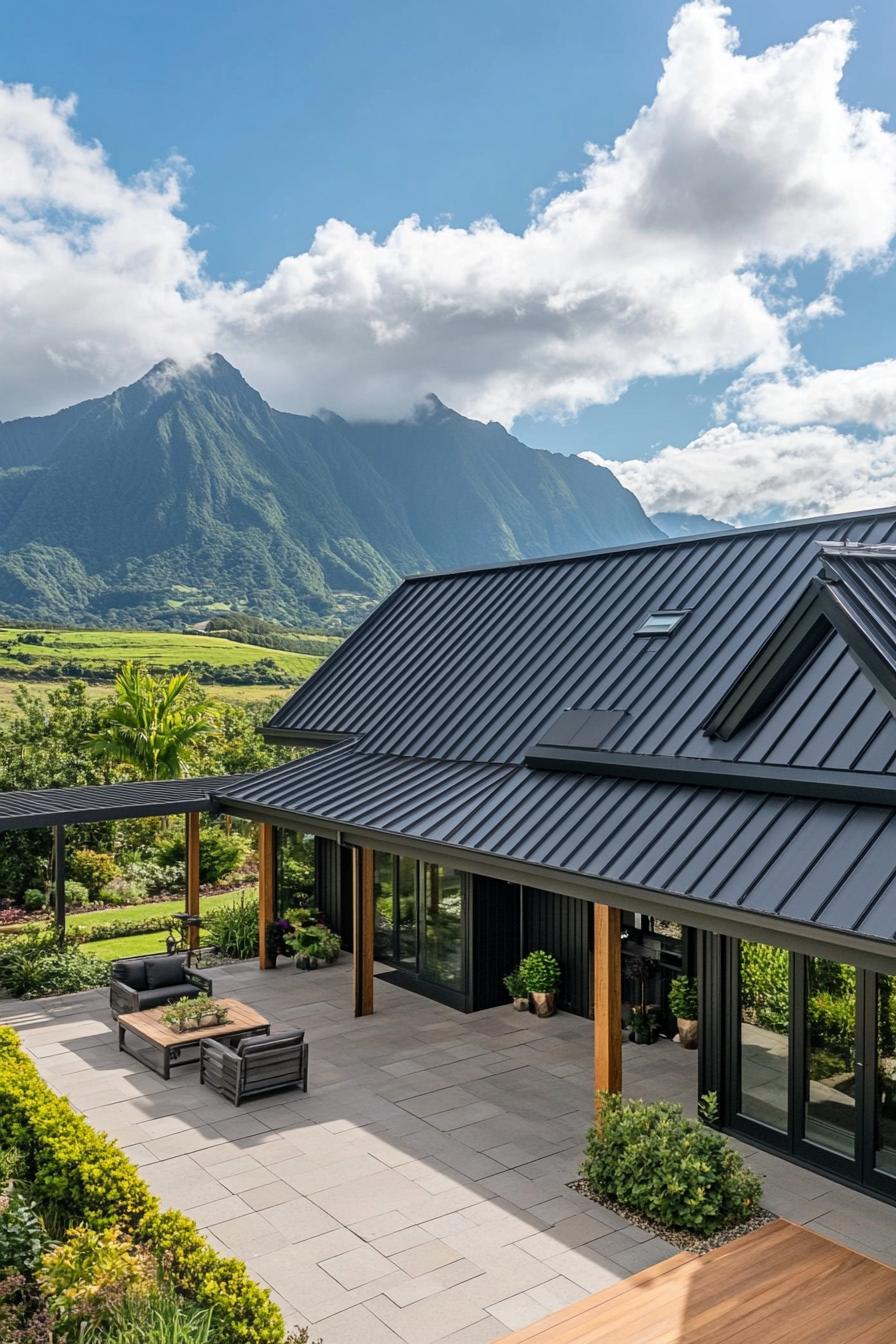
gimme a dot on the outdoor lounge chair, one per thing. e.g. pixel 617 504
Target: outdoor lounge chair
pixel 255 1065
pixel 139 983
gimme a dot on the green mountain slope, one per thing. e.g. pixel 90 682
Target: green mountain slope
pixel 186 493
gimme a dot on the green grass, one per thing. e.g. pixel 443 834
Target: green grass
pixel 108 648
pixel 230 695
pixel 141 944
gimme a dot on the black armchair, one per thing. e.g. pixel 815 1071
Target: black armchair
pixel 139 983
pixel 255 1065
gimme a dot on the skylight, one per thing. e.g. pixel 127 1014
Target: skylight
pixel 660 622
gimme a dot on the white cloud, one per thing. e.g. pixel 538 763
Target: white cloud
pixel 666 255
pixel 864 396
pixel 741 475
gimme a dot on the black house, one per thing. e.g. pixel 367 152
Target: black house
pixel 678 751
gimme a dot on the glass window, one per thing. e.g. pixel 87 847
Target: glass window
pixel 831 1055
pixel 443 942
pixel 407 912
pixel 384 907
pixel 764 1033
pixel 885 1091
pixel 295 870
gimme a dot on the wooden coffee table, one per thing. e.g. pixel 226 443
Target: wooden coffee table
pixel 167 1046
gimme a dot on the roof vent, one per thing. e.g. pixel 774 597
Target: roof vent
pixel 660 622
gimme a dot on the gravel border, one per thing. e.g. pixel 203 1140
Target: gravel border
pixel 676 1236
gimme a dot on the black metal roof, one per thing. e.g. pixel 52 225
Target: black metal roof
pixel 475 702
pixel 109 802
pixel 810 861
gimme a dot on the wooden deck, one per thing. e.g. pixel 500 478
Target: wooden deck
pixel 778 1285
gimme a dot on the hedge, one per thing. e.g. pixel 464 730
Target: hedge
pixel 81 1176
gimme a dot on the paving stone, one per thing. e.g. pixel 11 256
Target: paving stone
pixel 517 1311
pixel 425 1257
pixel 353 1268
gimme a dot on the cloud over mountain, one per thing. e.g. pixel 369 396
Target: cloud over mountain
pixel 667 256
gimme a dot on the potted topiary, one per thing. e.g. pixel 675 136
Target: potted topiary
pixel 643 1026
pixel 516 988
pixel 540 973
pixel 683 1004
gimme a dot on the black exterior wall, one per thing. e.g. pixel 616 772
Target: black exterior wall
pixel 496 928
pixel 564 927
pixel 333 887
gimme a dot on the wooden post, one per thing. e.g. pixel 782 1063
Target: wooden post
pixel 192 865
pixel 59 875
pixel 607 1000
pixel 266 883
pixel 362 966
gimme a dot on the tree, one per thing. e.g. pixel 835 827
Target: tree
pixel 153 725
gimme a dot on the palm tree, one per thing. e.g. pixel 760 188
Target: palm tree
pixel 154 724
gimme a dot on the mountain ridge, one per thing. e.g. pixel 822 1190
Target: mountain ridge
pixel 185 493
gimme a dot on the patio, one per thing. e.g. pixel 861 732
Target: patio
pixel 418 1192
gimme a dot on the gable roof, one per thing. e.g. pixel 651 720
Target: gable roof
pixel 511 716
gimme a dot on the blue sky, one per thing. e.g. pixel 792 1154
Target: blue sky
pixel 289 114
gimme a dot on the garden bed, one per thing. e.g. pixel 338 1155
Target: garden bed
pixel 677 1236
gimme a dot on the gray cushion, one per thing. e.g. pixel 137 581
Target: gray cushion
pixel 130 973
pixel 165 971
pixel 152 998
pixel 256 1045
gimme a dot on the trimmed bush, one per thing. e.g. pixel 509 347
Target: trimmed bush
pixel 79 1176
pixel 76 894
pixel 94 868
pixel 648 1157
pixel 683 998
pixel 540 972
pixel 124 928
pixel 34 900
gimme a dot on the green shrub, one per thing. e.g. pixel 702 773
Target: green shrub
pixel 648 1157
pixel 515 984
pixel 234 928
pixel 81 1176
pixel 124 928
pixel 33 965
pixel 23 1238
pixel 765 997
pixel 76 894
pixel 683 998
pixel 220 853
pixel 156 1318
pixel 158 877
pixel 125 891
pixel 540 972
pixel 91 1273
pixel 295 877
pixel 34 899
pixel 94 869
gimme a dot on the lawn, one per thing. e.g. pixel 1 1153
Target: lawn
pixel 111 949
pixel 107 648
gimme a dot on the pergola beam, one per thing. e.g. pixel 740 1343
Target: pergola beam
pixel 607 999
pixel 192 866
pixel 59 878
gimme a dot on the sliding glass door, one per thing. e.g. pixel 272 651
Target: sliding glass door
pixel 420 920
pixel 763 1039
pixel 395 910
pixel 829 1102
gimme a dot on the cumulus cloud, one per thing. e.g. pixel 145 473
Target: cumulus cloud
pixel 743 475
pixel 666 255
pixel 863 396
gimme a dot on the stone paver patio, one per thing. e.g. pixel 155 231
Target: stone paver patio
pixel 418 1193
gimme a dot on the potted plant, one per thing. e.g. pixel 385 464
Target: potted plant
pixel 179 1016
pixel 683 1004
pixel 276 934
pixel 643 1026
pixel 516 988
pixel 540 973
pixel 205 1010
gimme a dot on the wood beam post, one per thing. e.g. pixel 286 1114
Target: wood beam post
pixel 607 1000
pixel 192 866
pixel 266 884
pixel 362 967
pixel 59 880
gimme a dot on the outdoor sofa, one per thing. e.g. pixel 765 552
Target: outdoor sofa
pixel 139 983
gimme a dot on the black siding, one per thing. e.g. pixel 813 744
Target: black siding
pixel 327 891
pixel 495 939
pixel 562 926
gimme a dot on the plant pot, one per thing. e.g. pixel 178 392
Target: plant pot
pixel 642 1037
pixel 521 1005
pixel 306 963
pixel 687 1033
pixel 543 1005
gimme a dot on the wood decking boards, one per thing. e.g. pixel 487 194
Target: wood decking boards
pixel 780 1285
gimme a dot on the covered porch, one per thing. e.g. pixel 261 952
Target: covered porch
pixel 419 1192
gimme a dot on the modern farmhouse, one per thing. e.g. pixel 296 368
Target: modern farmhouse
pixel 670 755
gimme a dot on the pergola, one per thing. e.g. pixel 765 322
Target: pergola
pixel 57 808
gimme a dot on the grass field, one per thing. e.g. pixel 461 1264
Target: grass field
pixel 107 648
pixel 233 695
pixel 110 949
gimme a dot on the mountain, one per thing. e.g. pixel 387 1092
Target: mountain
pixel 186 493
pixel 687 524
